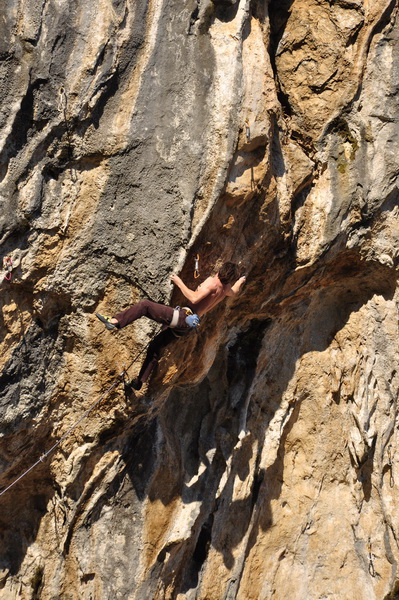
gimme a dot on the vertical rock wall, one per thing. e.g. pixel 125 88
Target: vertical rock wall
pixel 260 462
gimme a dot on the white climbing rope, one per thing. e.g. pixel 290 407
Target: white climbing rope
pixel 66 434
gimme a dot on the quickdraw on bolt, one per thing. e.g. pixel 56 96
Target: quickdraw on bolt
pixel 371 564
pixel 247 131
pixel 196 267
pixel 8 267
pixel 62 102
pixel 390 465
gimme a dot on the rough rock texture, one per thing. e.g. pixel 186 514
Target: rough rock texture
pixel 260 463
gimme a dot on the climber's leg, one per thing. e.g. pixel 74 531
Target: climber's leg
pixel 155 347
pixel 145 308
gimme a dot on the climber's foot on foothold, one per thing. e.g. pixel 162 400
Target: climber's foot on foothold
pixel 134 384
pixel 137 384
pixel 106 321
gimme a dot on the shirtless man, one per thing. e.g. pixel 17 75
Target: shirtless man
pixel 211 291
pixel 181 321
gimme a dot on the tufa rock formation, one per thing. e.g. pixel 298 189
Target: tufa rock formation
pixel 261 460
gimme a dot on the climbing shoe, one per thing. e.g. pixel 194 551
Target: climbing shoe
pixel 135 384
pixel 106 321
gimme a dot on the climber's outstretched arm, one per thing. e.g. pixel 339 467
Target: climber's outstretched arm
pixel 235 288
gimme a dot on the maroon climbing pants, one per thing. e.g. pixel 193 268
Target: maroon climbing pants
pixel 161 314
pixel 157 312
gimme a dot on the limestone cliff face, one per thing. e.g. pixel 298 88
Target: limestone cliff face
pixel 260 462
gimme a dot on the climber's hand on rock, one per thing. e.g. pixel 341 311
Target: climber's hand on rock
pixel 175 279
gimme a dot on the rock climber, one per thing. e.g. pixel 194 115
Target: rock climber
pixel 178 322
